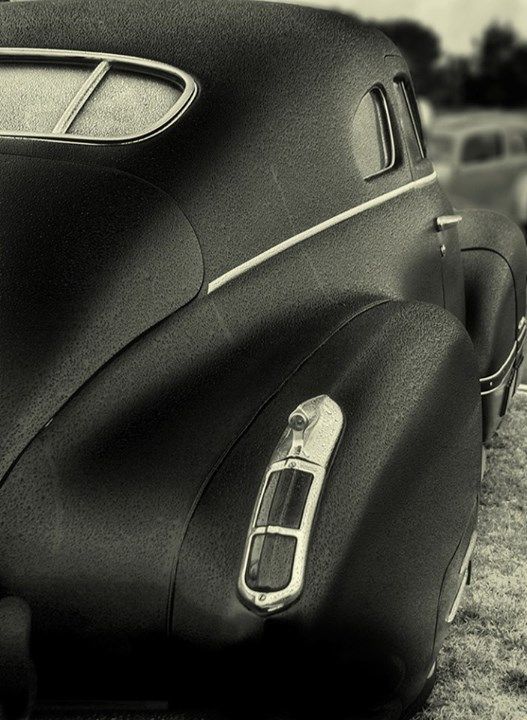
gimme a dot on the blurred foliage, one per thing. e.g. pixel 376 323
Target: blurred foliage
pixel 420 45
pixel 494 75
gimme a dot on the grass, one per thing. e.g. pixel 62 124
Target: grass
pixel 483 665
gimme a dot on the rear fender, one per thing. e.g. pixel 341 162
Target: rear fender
pixel 387 543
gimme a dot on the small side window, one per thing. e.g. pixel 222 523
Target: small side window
pixel 483 147
pixel 372 135
pixel 413 131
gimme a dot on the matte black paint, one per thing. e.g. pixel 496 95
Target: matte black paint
pixel 122 523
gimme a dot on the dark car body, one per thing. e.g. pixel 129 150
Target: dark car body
pixel 169 298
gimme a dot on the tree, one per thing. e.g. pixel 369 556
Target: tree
pixel 420 47
pixel 501 80
pixel 513 78
pixel 497 46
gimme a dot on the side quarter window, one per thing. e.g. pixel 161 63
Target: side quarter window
pixel 410 119
pixel 483 147
pixel 373 144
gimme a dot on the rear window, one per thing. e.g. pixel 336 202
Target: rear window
pixel 372 135
pixel 483 147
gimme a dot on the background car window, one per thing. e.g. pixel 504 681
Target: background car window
pixel 517 141
pixel 410 119
pixel 372 135
pixel 483 147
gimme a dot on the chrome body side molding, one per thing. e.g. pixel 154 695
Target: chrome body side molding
pixel 495 382
pixel 464 575
pixel 316 229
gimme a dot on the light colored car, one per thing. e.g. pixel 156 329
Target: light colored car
pixel 481 160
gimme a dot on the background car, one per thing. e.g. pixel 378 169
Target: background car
pixel 481 160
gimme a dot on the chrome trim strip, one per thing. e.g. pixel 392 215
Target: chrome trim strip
pixel 80 99
pixel 457 600
pixel 463 573
pixel 496 381
pixel 346 215
pixel 183 81
pixel 502 369
pixel 391 138
pixel 402 82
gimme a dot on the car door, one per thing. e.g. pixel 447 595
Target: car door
pixel 445 243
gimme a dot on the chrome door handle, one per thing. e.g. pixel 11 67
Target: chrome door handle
pixel 445 222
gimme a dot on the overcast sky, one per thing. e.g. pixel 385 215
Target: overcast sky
pixel 458 22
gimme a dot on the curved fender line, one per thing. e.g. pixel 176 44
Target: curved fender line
pixel 335 220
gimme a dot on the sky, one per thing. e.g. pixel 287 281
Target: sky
pixel 457 22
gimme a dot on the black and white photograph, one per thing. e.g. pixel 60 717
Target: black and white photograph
pixel 263 428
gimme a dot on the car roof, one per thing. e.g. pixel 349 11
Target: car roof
pixel 265 150
pixel 464 123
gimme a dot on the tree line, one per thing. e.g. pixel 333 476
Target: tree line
pixel 494 75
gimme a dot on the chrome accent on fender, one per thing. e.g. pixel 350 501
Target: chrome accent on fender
pixel 432 670
pixel 181 79
pixel 493 383
pixel 307 444
pixel 445 222
pixel 464 572
pixel 316 229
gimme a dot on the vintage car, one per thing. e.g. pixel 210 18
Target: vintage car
pixel 481 160
pixel 250 357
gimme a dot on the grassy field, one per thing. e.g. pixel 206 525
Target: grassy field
pixel 483 665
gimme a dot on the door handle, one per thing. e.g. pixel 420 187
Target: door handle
pixel 445 222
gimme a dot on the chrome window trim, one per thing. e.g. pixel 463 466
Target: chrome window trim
pixel 401 81
pixel 80 98
pixel 181 79
pixel 391 138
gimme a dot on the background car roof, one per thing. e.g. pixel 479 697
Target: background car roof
pixel 465 123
